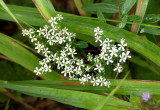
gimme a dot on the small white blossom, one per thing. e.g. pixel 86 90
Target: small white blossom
pixel 126 55
pixel 37 71
pixel 59 17
pixel 113 52
pixel 46 51
pixel 40 31
pixel 98 31
pixel 99 68
pixel 24 32
pixel 107 83
pixel 82 80
pixel 118 68
pixel 109 60
pixel 33 38
pixel 87 77
pixel 95 82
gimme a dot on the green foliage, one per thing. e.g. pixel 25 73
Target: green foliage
pixel 13 50
pixel 110 6
pixel 74 98
pixel 13 72
pixel 82 44
pixel 70 92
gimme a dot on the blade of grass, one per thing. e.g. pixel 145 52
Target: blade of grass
pixel 140 11
pixel 128 86
pixel 10 48
pixel 74 98
pixel 79 5
pixel 9 12
pixel 102 103
pixel 86 25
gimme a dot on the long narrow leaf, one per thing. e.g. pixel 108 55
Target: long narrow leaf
pixel 86 26
pixel 74 98
pixel 10 48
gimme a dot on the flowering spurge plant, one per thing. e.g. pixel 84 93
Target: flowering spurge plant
pixel 67 59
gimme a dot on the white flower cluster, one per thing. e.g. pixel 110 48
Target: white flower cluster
pixel 110 53
pixel 68 60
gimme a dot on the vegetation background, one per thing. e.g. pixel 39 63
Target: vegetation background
pixel 135 20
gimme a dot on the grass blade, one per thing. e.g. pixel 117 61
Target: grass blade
pixel 10 48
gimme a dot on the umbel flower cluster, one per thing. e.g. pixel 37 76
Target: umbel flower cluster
pixel 69 61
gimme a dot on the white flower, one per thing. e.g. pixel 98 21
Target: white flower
pixel 43 62
pixel 102 43
pixel 99 68
pixel 45 28
pixel 122 58
pixel 109 59
pixel 54 57
pixel 82 80
pixel 53 21
pixel 47 34
pixel 98 38
pixel 103 55
pixel 65 71
pixel 89 57
pixel 94 81
pixel 98 31
pixel 122 45
pixel 48 68
pixel 72 52
pixel 49 58
pixel 113 52
pixel 69 36
pixel 67 47
pixel 30 32
pixel 40 31
pixel 46 51
pixel 107 83
pixel 87 68
pixel 109 41
pixel 33 38
pixel 118 68
pixel 59 17
pixel 65 30
pixel 126 55
pixel 24 32
pixel 50 40
pixel 40 47
pixel 101 80
pixel 96 59
pixel 37 44
pixel 37 71
pixel 78 71
pixel 87 77
pixel 105 48
pixel 80 63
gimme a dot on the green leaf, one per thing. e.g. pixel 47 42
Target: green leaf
pixel 74 98
pixel 9 12
pixel 86 26
pixel 82 44
pixel 128 4
pixel 46 7
pixel 110 6
pixel 133 18
pixel 12 72
pixel 100 15
pixel 151 18
pixel 10 48
pixel 140 11
pixel 122 25
pixel 128 86
pixel 154 31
